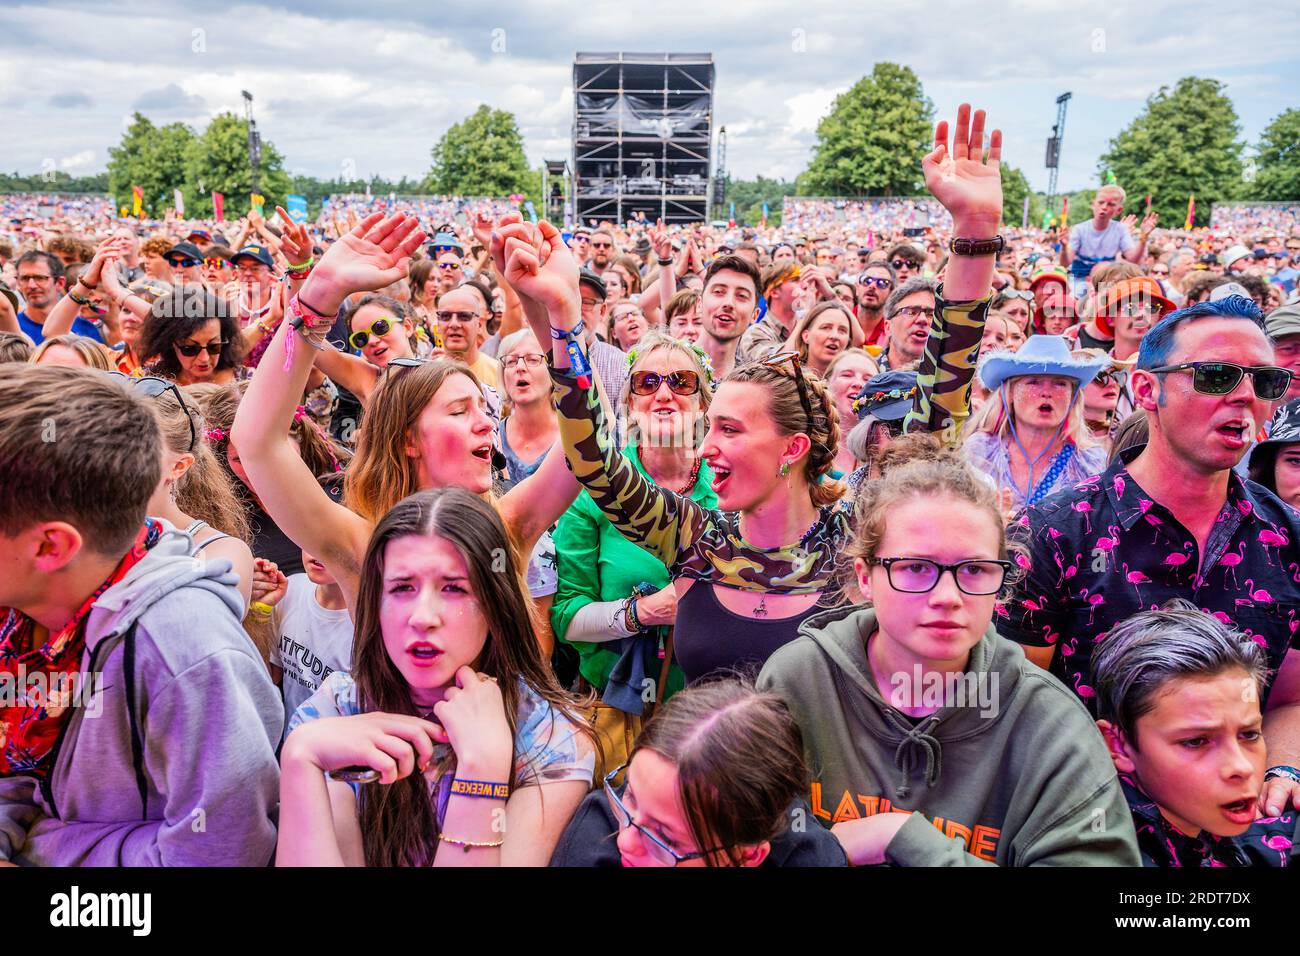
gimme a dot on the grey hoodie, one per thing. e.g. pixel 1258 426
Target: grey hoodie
pixel 1017 777
pixel 184 772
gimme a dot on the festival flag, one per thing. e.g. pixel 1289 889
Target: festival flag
pixel 178 200
pixel 137 200
pixel 530 209
pixel 219 206
pixel 1191 211
pixel 1024 216
pixel 1065 211
pixel 1148 202
pixel 296 207
pixel 764 215
pixel 123 212
pixel 1110 177
pixel 256 201
pixel 731 221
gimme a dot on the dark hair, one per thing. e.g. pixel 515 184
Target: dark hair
pixel 398 822
pixel 734 263
pixel 905 250
pixel 55 264
pixel 15 347
pixel 61 461
pixel 1143 653
pixel 178 315
pixel 1158 344
pixel 484 292
pixel 739 759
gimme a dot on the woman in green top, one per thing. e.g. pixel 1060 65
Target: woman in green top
pixel 597 608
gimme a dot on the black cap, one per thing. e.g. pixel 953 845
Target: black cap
pixel 183 250
pixel 593 280
pixel 255 252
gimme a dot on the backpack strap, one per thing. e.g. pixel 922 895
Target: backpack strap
pixel 137 742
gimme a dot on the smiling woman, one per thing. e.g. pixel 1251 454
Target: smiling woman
pixel 191 336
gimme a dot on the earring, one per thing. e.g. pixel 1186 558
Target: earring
pixel 785 469
pixel 171 490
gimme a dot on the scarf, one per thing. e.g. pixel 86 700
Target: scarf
pixel 41 678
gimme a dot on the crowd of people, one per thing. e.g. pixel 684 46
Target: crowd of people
pixel 430 535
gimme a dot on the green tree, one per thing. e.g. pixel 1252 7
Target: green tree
pixel 483 155
pixel 1184 143
pixel 53 182
pixel 218 160
pixel 1277 160
pixel 152 158
pixel 872 141
pixel 750 194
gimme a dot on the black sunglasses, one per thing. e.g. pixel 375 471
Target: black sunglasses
pixel 904 264
pixel 179 263
pixel 404 363
pixel 680 383
pixel 1221 378
pixel 1111 375
pixel 152 387
pixel 189 349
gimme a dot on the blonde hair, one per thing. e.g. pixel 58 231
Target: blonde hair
pixel 855 351
pixel 205 490
pixel 1113 190
pixel 995 418
pixel 88 350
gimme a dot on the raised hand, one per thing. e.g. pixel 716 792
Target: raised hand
pixel 661 240
pixel 295 244
pixel 1149 222
pixel 473 714
pixel 112 246
pixel 547 274
pixel 968 185
pixel 374 254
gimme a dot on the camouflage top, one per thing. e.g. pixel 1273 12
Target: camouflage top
pixel 942 402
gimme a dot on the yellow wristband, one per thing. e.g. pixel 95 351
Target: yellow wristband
pixel 261 608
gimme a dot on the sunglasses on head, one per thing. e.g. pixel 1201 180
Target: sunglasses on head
pixel 1222 378
pixel 679 383
pixel 191 349
pixel 379 327
pixel 152 387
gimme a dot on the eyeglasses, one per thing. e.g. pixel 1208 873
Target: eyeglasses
pixel 445 266
pixel 1221 378
pixel 153 387
pixel 27 279
pixel 531 359
pixel 776 361
pixel 591 303
pixel 602 245
pixel 920 575
pixel 876 282
pixel 464 318
pixel 377 328
pixel 1134 308
pixel 191 349
pixel 679 383
pixel 904 264
pixel 916 311
pixel 1018 294
pixel 660 850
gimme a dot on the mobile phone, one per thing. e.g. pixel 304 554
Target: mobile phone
pixel 355 774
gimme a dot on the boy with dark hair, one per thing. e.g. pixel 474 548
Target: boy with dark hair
pixel 1178 696
pixel 728 304
pixel 108 616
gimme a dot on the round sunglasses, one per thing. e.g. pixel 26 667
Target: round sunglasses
pixel 680 383
pixel 378 328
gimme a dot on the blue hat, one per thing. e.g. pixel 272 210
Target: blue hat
pixel 1041 355
pixel 446 241
pixel 887 397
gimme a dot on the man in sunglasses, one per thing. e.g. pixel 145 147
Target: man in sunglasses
pixel 187 263
pixel 906 261
pixel 602 251
pixel 1172 519
pixel 874 285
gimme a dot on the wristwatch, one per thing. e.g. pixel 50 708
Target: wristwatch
pixel 976 247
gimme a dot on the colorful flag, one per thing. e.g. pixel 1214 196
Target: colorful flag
pixel 731 221
pixel 256 201
pixel 296 207
pixel 1024 216
pixel 530 209
pixel 137 200
pixel 1191 211
pixel 219 206
pixel 764 215
pixel 178 200
pixel 1110 177
pixel 1065 211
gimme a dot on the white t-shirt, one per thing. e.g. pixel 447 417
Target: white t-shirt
pixel 1100 246
pixel 311 642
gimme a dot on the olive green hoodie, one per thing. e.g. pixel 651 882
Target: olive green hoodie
pixel 1010 771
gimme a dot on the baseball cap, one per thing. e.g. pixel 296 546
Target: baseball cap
pixel 201 233
pixel 1233 253
pixel 183 250
pixel 256 253
pixel 1228 288
pixel 1283 321
pixel 589 278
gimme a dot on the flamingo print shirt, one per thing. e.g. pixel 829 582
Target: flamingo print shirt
pixel 1270 841
pixel 1105 550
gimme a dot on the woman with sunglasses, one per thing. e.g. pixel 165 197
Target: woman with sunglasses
pixel 450 742
pixel 615 602
pixel 1101 395
pixel 381 329
pixel 750 571
pixel 188 344
pixel 933 741
pixel 717 778
pixel 427 424
pixel 1030 436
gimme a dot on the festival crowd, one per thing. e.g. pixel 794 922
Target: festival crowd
pixel 424 534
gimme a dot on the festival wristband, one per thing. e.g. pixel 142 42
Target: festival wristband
pixel 1282 770
pixel 578 362
pixel 481 789
pixel 80 300
pixel 261 608
pixel 302 266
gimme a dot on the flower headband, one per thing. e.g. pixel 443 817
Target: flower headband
pixel 877 398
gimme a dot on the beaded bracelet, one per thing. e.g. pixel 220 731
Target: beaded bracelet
pixel 481 789
pixel 80 300
pixel 468 845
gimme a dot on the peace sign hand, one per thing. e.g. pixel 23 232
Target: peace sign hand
pixel 969 186
pixel 295 244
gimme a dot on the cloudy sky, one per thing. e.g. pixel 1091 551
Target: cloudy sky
pixel 367 88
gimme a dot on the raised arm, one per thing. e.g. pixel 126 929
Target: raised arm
pixel 64 313
pixel 351 371
pixel 970 188
pixel 371 256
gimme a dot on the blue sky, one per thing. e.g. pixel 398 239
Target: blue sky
pixel 363 89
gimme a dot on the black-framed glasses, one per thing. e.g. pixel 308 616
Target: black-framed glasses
pixel 1221 378
pixel 776 361
pixel 660 850
pixel 179 263
pixel 152 387
pixel 683 382
pixel 359 338
pixel 530 359
pixel 191 349
pixel 920 575
pixel 1116 375
pixel 915 311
